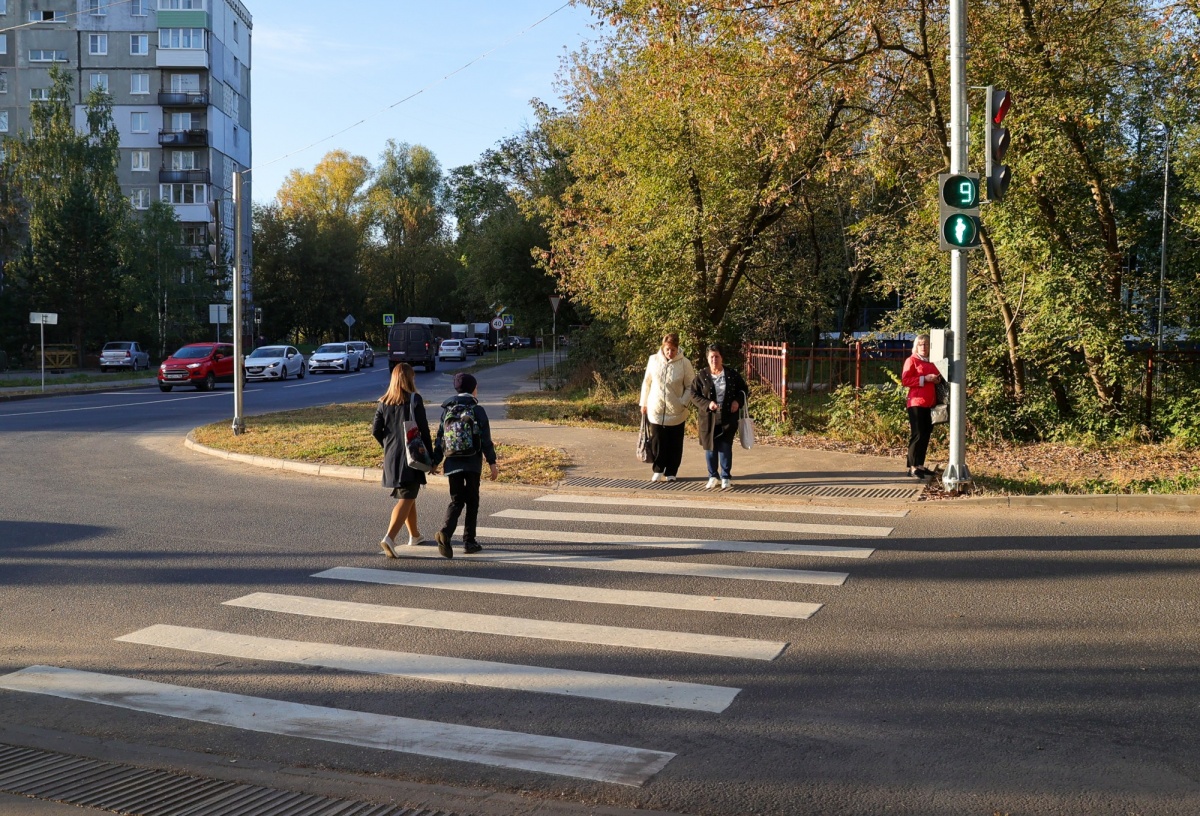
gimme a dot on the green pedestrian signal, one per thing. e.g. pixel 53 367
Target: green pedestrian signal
pixel 958 210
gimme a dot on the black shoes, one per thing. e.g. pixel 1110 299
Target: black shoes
pixel 443 543
pixel 471 547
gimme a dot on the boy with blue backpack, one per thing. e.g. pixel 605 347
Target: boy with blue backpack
pixel 464 440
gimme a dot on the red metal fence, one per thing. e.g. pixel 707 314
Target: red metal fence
pixel 815 369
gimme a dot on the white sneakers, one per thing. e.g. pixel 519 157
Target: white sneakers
pixel 671 478
pixel 657 477
pixel 726 484
pixel 712 482
pixel 416 540
pixel 386 544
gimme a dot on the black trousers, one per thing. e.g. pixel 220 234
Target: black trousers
pixel 464 493
pixel 666 443
pixel 920 426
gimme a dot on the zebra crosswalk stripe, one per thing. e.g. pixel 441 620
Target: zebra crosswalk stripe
pixel 570 537
pixel 611 687
pixel 678 521
pixel 689 642
pixel 688 568
pixel 582 594
pixel 506 749
pixel 794 509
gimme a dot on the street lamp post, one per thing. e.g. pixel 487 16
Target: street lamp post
pixel 554 301
pixel 1162 267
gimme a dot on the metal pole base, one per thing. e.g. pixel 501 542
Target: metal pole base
pixel 239 426
pixel 956 478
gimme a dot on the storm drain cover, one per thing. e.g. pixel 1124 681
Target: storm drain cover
pixel 818 491
pixel 137 791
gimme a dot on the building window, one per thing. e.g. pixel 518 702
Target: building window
pixel 98 44
pixel 181 121
pixel 3 121
pixel 139 122
pixel 36 16
pixel 194 236
pixel 235 30
pixel 98 7
pixel 176 38
pixel 39 94
pixel 3 81
pixel 236 140
pixel 185 83
pixel 139 161
pixel 3 43
pixel 139 83
pixel 99 81
pixel 180 5
pixel 3 6
pixel 183 160
pixel 140 198
pixel 139 44
pixel 182 193
pixel 137 8
pixel 47 55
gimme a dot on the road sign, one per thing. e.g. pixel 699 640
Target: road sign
pixel 554 301
pixel 497 323
pixel 218 313
pixel 44 318
pixel 508 319
pixel 349 320
pixel 389 320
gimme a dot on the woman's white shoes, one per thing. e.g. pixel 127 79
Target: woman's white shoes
pixel 386 544
pixel 726 484
pixel 416 540
pixel 657 477
pixel 713 482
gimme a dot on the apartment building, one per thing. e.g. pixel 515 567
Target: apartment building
pixel 179 75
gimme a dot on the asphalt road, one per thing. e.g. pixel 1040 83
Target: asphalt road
pixel 976 662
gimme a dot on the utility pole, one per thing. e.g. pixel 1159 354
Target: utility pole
pixel 1162 267
pixel 239 422
pixel 956 476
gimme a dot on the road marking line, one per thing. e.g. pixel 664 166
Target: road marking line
pixel 566 537
pixel 797 509
pixel 505 749
pixel 691 643
pixel 122 405
pixel 692 569
pixel 685 521
pixel 579 594
pixel 612 687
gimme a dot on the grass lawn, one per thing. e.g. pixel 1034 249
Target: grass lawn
pixel 341 435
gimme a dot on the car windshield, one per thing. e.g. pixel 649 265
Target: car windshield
pixel 268 351
pixel 117 346
pixel 449 343
pixel 332 348
pixel 192 352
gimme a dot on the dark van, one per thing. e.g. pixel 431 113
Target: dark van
pixel 412 343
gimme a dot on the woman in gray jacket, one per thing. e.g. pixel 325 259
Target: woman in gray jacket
pixel 664 402
pixel 399 404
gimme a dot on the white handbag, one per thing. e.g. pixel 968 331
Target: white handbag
pixel 745 426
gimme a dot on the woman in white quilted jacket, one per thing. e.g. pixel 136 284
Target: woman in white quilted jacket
pixel 665 403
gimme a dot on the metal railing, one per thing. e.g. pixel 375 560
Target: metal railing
pixel 813 369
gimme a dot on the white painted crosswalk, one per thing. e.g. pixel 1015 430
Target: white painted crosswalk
pixel 581 594
pixel 391 589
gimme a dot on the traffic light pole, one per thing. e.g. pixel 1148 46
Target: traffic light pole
pixel 956 476
pixel 239 422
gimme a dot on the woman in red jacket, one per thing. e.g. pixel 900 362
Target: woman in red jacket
pixel 920 377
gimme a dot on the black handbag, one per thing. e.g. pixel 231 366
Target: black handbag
pixel 940 413
pixel 644 453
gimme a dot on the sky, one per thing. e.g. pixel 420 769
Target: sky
pixel 319 67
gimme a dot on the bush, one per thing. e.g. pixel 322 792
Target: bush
pixel 875 415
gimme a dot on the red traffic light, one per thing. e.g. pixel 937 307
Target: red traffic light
pixel 999 103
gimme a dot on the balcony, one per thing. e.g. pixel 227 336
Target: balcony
pixel 183 176
pixel 183 138
pixel 183 99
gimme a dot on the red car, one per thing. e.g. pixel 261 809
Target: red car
pixel 200 364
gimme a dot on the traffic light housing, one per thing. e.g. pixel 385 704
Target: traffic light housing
pixel 996 141
pixel 958 210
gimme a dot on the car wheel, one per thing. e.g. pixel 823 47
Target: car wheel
pixel 358 364
pixel 165 388
pixel 209 384
pixel 285 373
pixel 103 370
pixel 300 373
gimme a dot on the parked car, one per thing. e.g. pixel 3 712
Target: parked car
pixel 365 352
pixel 412 343
pixel 473 345
pixel 334 357
pixel 275 363
pixel 526 342
pixel 452 350
pixel 202 365
pixel 124 354
pixel 512 342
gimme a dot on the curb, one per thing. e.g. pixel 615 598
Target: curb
pixel 1103 503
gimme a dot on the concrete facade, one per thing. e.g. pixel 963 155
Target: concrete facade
pixel 179 75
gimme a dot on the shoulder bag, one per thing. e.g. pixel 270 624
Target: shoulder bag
pixel 940 413
pixel 745 426
pixel 416 455
pixel 644 452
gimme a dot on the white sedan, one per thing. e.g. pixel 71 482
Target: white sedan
pixel 452 350
pixel 334 357
pixel 275 363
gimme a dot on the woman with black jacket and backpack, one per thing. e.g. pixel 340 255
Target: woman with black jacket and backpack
pixel 401 403
pixel 719 392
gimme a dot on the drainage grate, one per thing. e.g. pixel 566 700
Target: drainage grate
pixel 821 491
pixel 146 792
